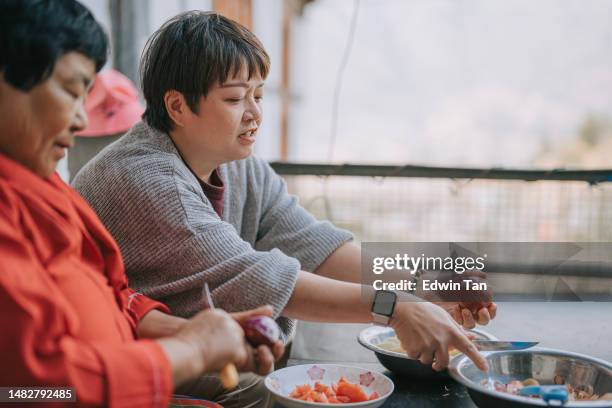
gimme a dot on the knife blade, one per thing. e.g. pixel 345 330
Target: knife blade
pixel 497 345
pixel 207 297
pixel 229 373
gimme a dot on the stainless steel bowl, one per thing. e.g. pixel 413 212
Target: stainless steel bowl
pixel 400 363
pixel 539 363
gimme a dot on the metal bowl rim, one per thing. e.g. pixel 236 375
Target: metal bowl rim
pixel 379 350
pixel 456 364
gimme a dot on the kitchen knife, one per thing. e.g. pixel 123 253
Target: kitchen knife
pixel 229 374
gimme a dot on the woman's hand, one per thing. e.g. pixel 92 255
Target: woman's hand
pixel 260 359
pixel 426 332
pixel 205 343
pixel 468 317
pixel 209 341
pixel 218 338
pixel 467 307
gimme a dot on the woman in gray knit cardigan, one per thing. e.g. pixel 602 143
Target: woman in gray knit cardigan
pixel 188 203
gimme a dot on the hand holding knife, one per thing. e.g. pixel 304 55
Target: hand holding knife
pixel 229 373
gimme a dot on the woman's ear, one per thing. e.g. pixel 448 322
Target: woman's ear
pixel 176 106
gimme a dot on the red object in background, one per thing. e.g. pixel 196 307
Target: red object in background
pixel 112 105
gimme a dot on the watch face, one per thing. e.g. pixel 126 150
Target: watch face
pixel 384 303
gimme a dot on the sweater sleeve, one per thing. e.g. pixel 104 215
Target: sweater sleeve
pixel 137 304
pixel 289 227
pixel 173 241
pixel 38 347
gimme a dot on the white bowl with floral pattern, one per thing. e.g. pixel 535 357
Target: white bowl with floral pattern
pixel 282 382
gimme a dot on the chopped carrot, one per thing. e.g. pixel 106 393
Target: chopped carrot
pixel 353 391
pixel 329 393
pixel 339 393
pixel 320 387
pixel 321 397
pixel 300 391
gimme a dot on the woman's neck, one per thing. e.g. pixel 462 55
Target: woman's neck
pixel 196 163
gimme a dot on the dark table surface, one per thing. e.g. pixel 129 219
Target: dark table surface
pixel 425 394
pixel 579 327
pixel 415 393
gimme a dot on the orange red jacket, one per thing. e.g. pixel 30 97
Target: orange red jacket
pixel 67 316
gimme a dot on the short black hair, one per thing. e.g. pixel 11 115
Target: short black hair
pixel 34 34
pixel 190 53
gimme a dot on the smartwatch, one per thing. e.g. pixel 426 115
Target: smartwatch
pixel 383 307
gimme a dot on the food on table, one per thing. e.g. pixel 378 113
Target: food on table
pixel 530 381
pixel 261 330
pixel 575 393
pixel 339 393
pixel 393 344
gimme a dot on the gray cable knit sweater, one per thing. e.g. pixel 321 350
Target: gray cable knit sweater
pixel 173 241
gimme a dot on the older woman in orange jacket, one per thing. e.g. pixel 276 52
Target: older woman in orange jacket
pixel 67 315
